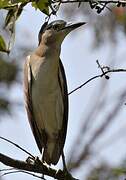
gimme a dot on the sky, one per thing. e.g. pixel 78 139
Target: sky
pixel 80 64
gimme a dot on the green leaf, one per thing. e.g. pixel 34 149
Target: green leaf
pixel 13 15
pixel 42 5
pixel 10 17
pixel 2 45
pixel 4 3
pixel 34 5
pixel 20 9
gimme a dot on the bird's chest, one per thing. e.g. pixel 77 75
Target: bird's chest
pixel 45 75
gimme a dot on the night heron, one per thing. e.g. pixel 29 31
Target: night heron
pixel 45 90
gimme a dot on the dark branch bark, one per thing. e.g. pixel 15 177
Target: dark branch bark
pixel 99 1
pixel 36 167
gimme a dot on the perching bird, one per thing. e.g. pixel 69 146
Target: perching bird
pixel 45 89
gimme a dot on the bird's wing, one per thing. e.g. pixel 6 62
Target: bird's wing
pixel 63 86
pixel 59 144
pixel 58 150
pixel 28 102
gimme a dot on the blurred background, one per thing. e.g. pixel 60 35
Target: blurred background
pixel 95 147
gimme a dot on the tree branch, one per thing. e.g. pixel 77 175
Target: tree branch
pixel 36 167
pixel 98 76
pixel 98 1
pixel 99 5
pixel 21 171
pixel 76 1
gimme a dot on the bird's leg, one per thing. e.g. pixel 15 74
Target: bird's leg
pixel 64 163
pixel 43 176
pixel 30 160
pixel 42 173
pixel 67 174
pixel 41 163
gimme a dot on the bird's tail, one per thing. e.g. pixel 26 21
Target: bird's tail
pixel 52 152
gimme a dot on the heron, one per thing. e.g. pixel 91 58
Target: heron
pixel 46 92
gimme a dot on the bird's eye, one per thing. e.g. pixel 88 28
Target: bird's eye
pixel 56 27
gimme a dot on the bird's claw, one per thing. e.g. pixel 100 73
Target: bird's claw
pixel 31 160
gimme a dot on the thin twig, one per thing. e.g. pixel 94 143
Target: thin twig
pixel 102 69
pixel 95 77
pixel 84 84
pixel 94 4
pixel 21 171
pixel 7 169
pixel 17 146
pixel 99 1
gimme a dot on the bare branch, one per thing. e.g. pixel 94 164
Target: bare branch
pixel 84 84
pixel 98 5
pixel 20 171
pixel 17 146
pixel 98 76
pixel 36 167
pixel 96 1
pixel 7 169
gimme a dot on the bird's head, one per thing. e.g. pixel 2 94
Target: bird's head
pixel 56 31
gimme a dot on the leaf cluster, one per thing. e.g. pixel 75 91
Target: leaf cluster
pixel 19 4
pixel 48 7
pixel 14 9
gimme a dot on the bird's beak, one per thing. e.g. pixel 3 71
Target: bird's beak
pixel 70 26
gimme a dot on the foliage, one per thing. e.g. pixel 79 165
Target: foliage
pixel 2 44
pixel 48 7
pixel 14 8
pixel 9 72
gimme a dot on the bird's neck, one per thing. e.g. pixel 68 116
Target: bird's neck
pixel 44 50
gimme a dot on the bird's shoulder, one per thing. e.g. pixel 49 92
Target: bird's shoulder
pixel 34 58
pixel 34 62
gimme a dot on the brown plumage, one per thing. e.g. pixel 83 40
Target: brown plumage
pixel 41 137
pixel 45 89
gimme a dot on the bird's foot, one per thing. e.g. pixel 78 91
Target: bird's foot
pixel 30 160
pixel 35 160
